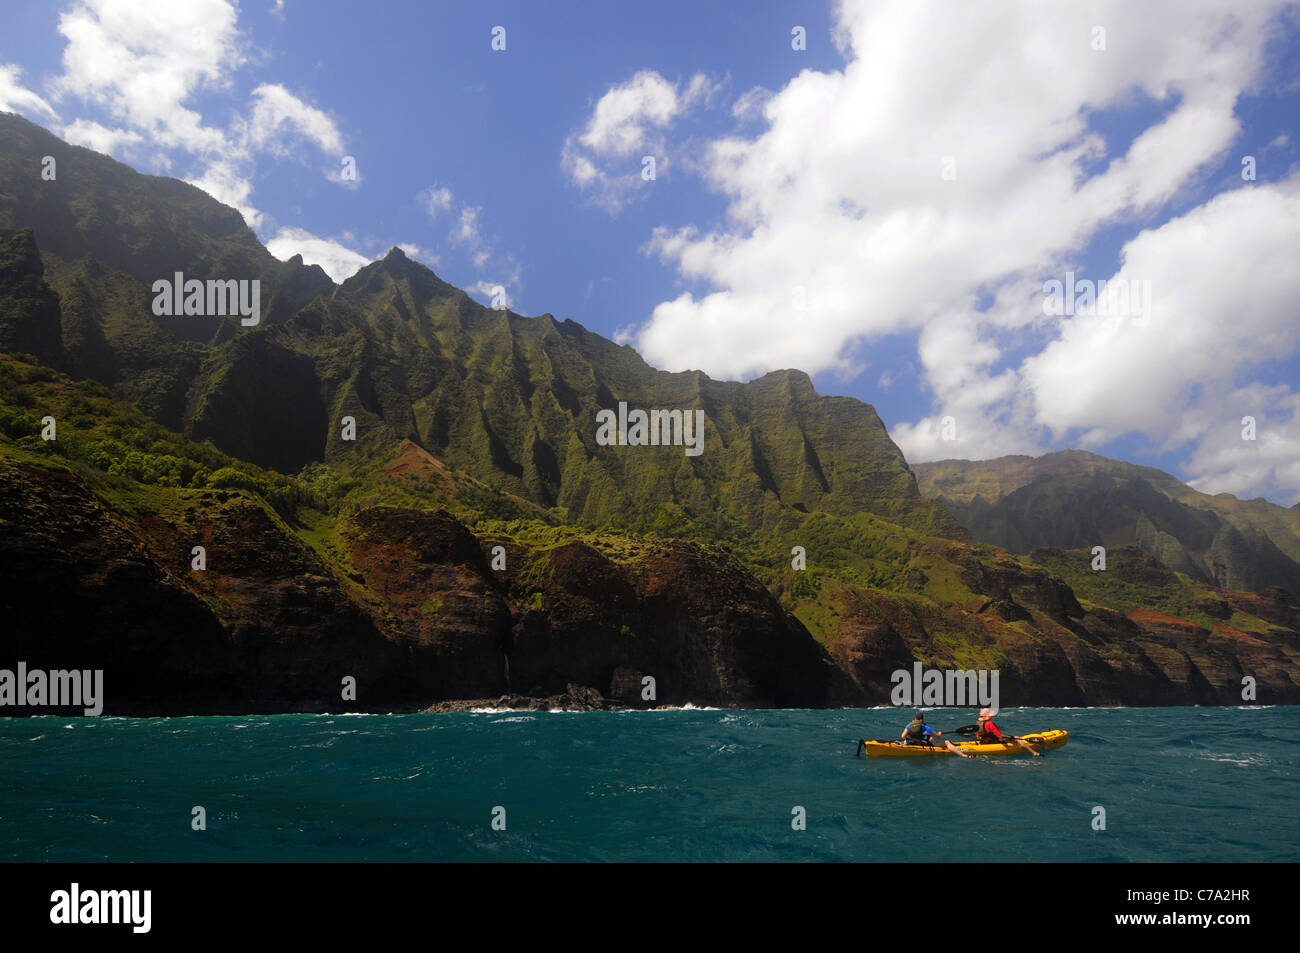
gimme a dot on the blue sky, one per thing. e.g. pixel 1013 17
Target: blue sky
pixel 881 208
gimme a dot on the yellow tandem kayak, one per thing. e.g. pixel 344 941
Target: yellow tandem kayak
pixel 1040 741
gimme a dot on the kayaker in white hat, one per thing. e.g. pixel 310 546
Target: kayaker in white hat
pixel 989 734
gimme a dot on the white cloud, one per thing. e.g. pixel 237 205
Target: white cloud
pixel 1225 298
pixel 84 132
pixel 468 233
pixel 278 9
pixel 1224 285
pixel 750 105
pixel 413 251
pixel 225 183
pixel 1268 465
pixel 623 117
pixel 278 115
pixel 435 200
pixel 418 253
pixel 627 123
pixel 495 292
pixel 842 229
pixel 339 261
pixel 14 97
pixel 142 60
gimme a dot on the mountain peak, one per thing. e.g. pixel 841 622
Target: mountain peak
pixel 397 266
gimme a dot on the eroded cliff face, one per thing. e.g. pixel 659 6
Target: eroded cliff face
pixel 266 626
pixel 420 615
pixel 1051 650
pixel 411 607
pixel 687 615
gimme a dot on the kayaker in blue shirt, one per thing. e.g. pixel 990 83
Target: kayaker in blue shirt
pixel 919 733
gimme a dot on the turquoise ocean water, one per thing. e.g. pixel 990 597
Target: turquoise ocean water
pixel 1177 784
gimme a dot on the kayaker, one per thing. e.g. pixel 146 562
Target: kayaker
pixel 918 732
pixel 988 733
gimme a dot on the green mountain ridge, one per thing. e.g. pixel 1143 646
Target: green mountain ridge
pixel 476 442
pixel 1075 499
pixel 408 356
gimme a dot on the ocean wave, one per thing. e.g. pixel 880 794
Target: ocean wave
pixel 1244 760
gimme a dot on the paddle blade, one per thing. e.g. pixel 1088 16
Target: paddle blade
pixel 861 746
pixel 967 731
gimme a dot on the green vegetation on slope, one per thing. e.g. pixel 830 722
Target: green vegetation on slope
pixel 1075 499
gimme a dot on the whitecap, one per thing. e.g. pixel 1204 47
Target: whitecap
pixel 1245 761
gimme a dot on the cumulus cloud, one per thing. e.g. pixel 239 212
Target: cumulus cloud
pixel 1225 297
pixel 900 197
pixel 339 261
pixel 92 135
pixel 627 123
pixel 1228 461
pixel 621 121
pixel 142 60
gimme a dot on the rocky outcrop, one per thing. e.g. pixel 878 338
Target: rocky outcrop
pixel 31 321
pixel 269 625
pixel 1050 650
pixel 690 617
